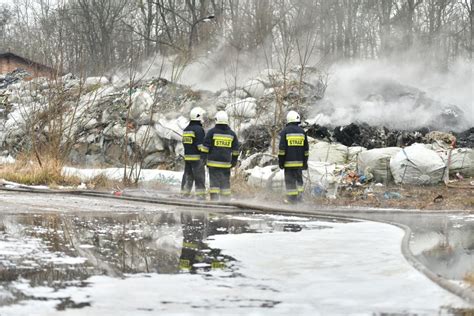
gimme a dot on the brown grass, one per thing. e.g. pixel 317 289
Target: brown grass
pixel 30 172
pixel 240 187
pixel 102 182
pixel 469 278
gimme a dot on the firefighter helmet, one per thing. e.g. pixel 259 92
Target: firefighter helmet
pixel 222 118
pixel 197 114
pixel 293 117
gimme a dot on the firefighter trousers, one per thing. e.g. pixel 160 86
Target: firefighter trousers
pixel 294 184
pixel 194 173
pixel 219 183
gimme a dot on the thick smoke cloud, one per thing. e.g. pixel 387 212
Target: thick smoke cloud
pixel 397 95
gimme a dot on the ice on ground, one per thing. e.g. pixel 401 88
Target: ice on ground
pixel 350 269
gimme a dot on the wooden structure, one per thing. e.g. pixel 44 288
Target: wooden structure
pixel 9 62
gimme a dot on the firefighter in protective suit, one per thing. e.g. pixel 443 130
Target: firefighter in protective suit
pixel 194 173
pixel 293 156
pixel 220 150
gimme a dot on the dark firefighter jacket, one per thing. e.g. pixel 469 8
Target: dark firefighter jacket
pixel 193 136
pixel 294 149
pixel 221 147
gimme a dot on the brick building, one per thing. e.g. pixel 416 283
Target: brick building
pixel 10 62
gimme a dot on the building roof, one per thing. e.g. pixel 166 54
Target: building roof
pixel 25 60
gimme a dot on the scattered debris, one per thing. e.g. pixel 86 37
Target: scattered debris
pixel 392 195
pixel 13 77
pixel 438 199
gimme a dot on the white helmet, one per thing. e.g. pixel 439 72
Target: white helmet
pixel 293 117
pixel 197 114
pixel 222 118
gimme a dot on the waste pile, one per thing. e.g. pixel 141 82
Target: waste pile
pixel 109 123
pixel 12 77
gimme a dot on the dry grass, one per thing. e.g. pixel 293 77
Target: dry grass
pixel 469 278
pixel 102 182
pixel 241 188
pixel 30 172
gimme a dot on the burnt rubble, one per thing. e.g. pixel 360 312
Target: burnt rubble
pixel 376 137
pixel 255 139
pixel 466 138
pixel 361 134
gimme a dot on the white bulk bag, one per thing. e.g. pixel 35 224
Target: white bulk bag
pixel 417 164
pixel 462 161
pixel 270 177
pixel 326 152
pixel 375 163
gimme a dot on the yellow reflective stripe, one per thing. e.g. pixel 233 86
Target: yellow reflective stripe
pixel 192 157
pixel 218 164
pixel 293 164
pixel 300 189
pixel 189 134
pixel 235 153
pixel 214 190
pixel 226 192
pixel 292 192
pixel 200 192
pixel 306 153
pixel 222 136
pixel 203 149
pixel 281 153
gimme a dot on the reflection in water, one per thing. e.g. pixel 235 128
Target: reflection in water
pixel 61 250
pixel 449 246
pixel 443 243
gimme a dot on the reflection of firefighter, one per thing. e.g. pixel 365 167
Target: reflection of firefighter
pixel 293 156
pixel 194 173
pixel 221 150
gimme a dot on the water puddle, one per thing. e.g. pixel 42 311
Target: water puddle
pixel 44 255
pixel 443 243
pixel 62 250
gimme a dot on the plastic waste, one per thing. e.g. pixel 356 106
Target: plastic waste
pixel 392 195
pixel 318 191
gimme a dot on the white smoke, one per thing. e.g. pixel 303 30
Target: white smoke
pixel 358 91
pixel 372 92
